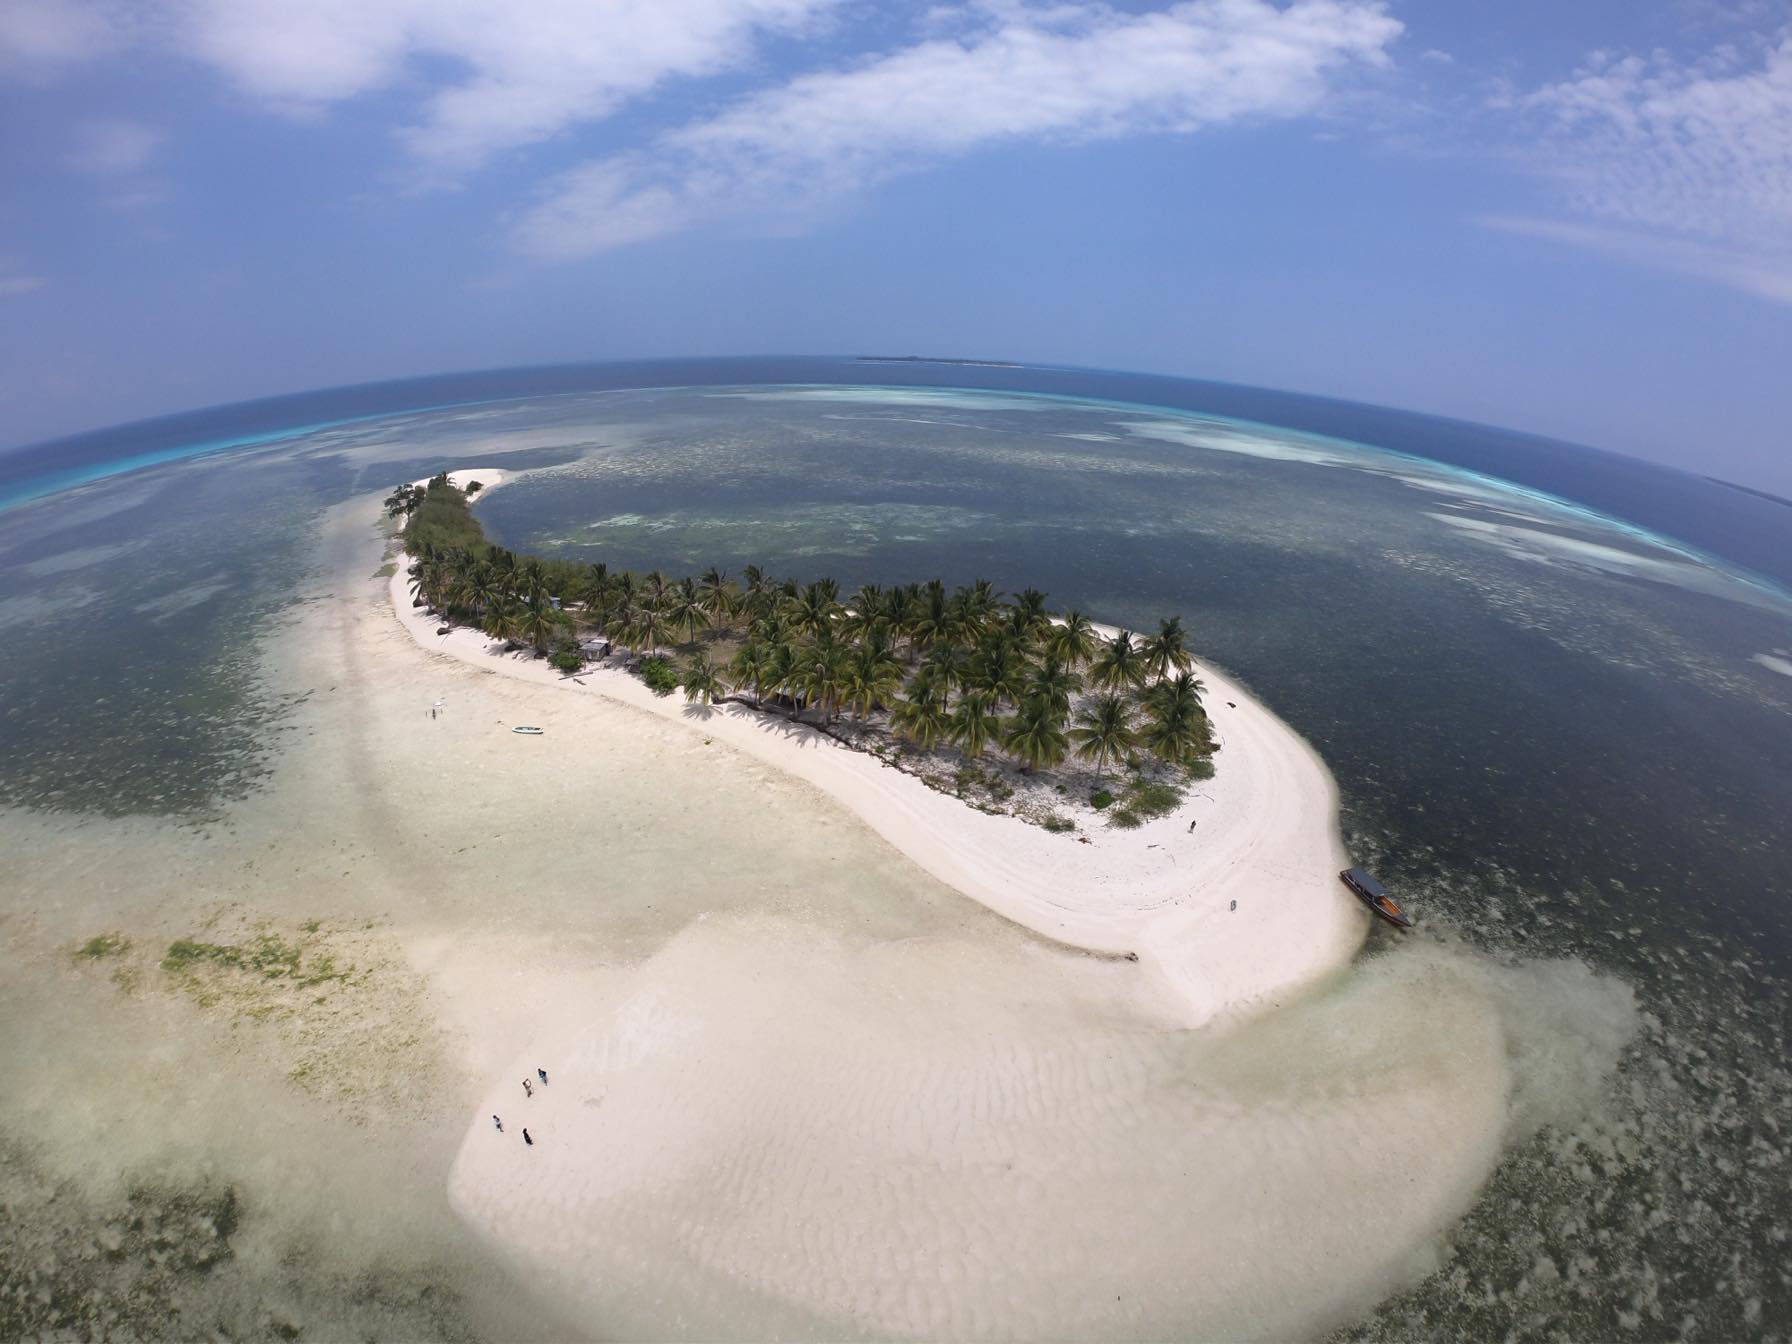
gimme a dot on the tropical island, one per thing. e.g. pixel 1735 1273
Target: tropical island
pixel 996 700
pixel 1225 888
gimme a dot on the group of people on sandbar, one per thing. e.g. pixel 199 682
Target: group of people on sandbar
pixel 528 1091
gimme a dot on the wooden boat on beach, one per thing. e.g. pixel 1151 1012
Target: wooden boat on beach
pixel 528 729
pixel 1372 894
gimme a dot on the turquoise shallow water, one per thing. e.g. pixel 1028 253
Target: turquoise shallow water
pixel 1554 732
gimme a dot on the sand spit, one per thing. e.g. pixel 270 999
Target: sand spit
pixel 1266 836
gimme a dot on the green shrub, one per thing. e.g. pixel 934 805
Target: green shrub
pixel 1100 798
pixel 1126 819
pixel 1150 800
pixel 659 674
pixel 1201 769
pixel 474 487
pixel 1058 825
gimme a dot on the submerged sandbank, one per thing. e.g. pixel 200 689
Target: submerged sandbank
pixel 1233 914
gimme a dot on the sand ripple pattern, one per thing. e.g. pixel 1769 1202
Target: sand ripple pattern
pixel 770 1131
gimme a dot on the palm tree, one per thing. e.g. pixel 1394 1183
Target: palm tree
pixel 750 667
pixel 539 621
pixel 685 609
pixel 532 580
pixel 1103 730
pixel 999 670
pixel 922 721
pixel 1035 736
pixel 864 613
pixel 1176 727
pixel 503 620
pixel 1072 640
pixel 948 666
pixel 718 596
pixel 1119 666
pixel 478 586
pixel 822 675
pixel 783 668
pixel 702 682
pixel 1054 683
pixel 974 724
pixel 813 610
pixel 930 620
pixel 1027 612
pixel 873 676
pixel 646 627
pixel 1164 650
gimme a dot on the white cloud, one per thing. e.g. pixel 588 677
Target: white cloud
pixel 526 69
pixel 110 145
pixel 1070 72
pixel 1753 271
pixel 39 38
pixel 1675 165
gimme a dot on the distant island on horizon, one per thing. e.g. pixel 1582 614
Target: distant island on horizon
pixel 937 359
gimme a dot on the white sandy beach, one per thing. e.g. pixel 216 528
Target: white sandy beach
pixel 769 1129
pixel 1266 835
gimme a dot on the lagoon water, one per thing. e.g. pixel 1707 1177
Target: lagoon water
pixel 1563 736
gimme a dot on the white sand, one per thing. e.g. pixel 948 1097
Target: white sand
pixel 813 1121
pixel 1266 836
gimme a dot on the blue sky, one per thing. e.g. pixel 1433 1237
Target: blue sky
pixel 1568 218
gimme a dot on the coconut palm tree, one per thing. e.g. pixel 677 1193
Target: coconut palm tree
pixel 1164 650
pixel 503 619
pixel 1072 640
pixel 752 666
pixel 1119 666
pixel 921 721
pixel 685 609
pixel 813 610
pixel 1054 683
pixel 1027 613
pixel 948 664
pixel 822 675
pixel 1000 670
pixel 1035 736
pixel 539 621
pixel 783 669
pixel 646 627
pixel 974 723
pixel 1103 729
pixel 930 619
pixel 719 596
pixel 873 676
pixel 702 682
pixel 532 580
pixel 1176 727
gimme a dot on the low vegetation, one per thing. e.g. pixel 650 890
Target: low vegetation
pixel 999 686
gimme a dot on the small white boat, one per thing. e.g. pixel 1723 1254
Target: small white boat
pixel 526 728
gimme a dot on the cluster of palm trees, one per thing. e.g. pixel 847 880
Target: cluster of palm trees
pixel 963 667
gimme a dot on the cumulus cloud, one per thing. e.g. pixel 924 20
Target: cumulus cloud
pixel 525 69
pixel 1066 72
pixel 1684 166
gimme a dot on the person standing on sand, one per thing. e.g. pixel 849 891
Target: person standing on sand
pixel 526 1138
pixel 543 1075
pixel 527 1090
pixel 499 1123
